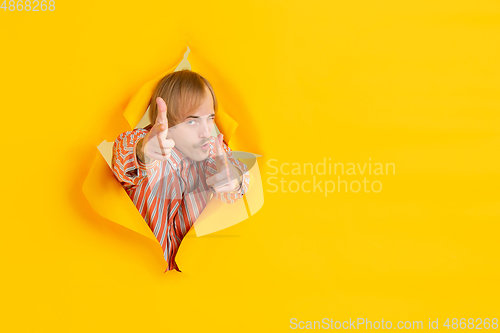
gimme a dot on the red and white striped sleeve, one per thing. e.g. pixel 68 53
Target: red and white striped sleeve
pixel 126 167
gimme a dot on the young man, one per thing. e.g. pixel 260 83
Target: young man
pixel 173 167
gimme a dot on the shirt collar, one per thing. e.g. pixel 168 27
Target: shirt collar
pixel 177 158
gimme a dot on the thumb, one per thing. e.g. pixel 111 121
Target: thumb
pixel 161 117
pixel 219 152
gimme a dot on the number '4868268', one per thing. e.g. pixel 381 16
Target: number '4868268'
pixel 28 5
pixel 471 323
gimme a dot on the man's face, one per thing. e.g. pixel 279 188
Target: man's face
pixel 193 134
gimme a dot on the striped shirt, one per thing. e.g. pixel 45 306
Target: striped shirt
pixel 170 195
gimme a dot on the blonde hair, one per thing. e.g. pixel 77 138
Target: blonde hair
pixel 183 91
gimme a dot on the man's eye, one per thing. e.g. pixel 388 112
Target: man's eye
pixel 191 122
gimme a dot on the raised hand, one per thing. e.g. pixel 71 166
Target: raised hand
pixel 227 178
pixel 155 145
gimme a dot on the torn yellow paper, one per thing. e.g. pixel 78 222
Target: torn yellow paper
pixel 141 99
pixel 108 199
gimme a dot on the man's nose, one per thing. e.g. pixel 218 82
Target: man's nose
pixel 205 130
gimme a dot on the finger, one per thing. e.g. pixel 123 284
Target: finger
pixel 223 182
pixel 165 145
pixel 225 188
pixel 161 117
pixel 231 184
pixel 159 129
pixel 163 151
pixel 220 156
pixel 219 150
pixel 220 190
pixel 168 143
pixel 216 178
pixel 158 157
pixel 166 153
pixel 222 176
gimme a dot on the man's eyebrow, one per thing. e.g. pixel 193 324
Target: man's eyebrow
pixel 194 117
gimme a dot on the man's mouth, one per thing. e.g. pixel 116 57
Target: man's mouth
pixel 205 146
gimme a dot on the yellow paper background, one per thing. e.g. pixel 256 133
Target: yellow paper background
pixel 410 83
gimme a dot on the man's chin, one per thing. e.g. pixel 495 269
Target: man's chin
pixel 200 156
